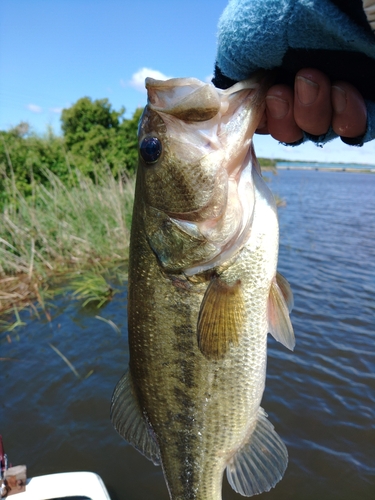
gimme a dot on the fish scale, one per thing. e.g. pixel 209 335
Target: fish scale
pixel 198 340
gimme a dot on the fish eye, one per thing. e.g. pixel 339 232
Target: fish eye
pixel 150 149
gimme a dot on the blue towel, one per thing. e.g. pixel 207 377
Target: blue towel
pixel 287 35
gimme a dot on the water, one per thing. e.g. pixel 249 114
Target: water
pixel 321 398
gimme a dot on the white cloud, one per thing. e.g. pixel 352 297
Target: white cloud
pixel 138 78
pixel 56 110
pixel 34 108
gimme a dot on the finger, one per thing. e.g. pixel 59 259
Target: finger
pixel 262 127
pixel 280 119
pixel 312 101
pixel 349 110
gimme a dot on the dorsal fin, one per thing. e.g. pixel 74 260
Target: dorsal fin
pixel 220 318
pixel 261 462
pixel 129 422
pixel 280 301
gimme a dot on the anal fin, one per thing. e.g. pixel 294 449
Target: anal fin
pixel 220 318
pixel 129 422
pixel 261 462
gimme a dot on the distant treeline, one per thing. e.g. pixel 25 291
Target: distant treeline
pixel 267 162
pixel 94 137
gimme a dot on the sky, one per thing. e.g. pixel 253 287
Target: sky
pixel 53 52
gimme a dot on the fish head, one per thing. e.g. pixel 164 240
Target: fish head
pixel 194 159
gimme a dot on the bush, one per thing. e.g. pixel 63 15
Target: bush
pixel 25 157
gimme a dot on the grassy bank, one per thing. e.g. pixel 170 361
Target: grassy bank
pixel 59 229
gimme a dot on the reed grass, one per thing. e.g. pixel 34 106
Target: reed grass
pixel 59 229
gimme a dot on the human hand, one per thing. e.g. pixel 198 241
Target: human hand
pixel 312 106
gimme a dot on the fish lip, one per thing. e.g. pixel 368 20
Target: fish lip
pixel 199 102
pixel 171 82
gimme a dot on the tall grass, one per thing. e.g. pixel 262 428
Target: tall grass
pixel 59 228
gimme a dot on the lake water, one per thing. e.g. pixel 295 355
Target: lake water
pixel 321 397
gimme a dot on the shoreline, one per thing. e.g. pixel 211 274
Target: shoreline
pixel 327 169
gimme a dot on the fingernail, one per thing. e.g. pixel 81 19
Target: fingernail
pixel 277 107
pixel 307 91
pixel 338 99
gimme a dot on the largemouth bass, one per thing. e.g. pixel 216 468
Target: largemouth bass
pixel 203 293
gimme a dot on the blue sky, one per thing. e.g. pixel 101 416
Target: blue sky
pixel 53 52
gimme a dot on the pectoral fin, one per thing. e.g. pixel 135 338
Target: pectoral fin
pixel 220 318
pixel 280 302
pixel 261 462
pixel 129 422
pixel 285 290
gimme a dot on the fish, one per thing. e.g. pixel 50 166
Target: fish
pixel 204 292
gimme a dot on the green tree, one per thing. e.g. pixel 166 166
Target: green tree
pixel 96 135
pixel 86 115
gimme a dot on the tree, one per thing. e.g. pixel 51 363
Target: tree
pixel 95 134
pixel 86 120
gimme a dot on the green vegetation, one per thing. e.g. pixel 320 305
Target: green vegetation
pixel 92 288
pixel 96 138
pixel 65 204
pixel 267 162
pixel 59 229
pixel 268 165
